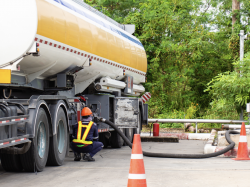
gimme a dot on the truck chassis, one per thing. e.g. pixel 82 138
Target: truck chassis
pixel 36 132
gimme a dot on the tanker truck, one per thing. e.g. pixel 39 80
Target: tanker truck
pixel 56 57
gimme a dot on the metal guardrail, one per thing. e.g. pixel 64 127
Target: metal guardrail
pixel 196 121
pixel 231 126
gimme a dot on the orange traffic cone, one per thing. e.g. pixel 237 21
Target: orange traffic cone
pixel 137 176
pixel 242 153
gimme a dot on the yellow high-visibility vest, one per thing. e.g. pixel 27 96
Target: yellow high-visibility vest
pixel 79 133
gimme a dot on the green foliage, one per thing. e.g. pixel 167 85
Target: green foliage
pixel 188 48
pixel 183 54
pixel 232 89
pixel 174 114
pixel 171 115
pixel 116 9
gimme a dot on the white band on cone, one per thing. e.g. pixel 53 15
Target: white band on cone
pixel 243 139
pixel 136 156
pixel 136 176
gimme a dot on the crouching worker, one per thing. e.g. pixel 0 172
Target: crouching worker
pixel 86 137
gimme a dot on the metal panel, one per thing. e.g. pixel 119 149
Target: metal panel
pixel 19 81
pixel 99 104
pixel 5 76
pixel 61 80
pixel 67 93
pixel 129 85
pixel 126 112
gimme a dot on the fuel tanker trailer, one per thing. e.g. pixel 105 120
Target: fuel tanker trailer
pixel 56 57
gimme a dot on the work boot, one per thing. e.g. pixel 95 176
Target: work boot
pixel 83 156
pixel 88 157
pixel 77 156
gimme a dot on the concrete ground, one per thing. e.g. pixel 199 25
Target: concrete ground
pixel 112 165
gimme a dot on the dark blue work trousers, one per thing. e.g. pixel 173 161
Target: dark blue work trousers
pixel 92 149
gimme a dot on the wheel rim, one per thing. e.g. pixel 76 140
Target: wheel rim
pixel 41 139
pixel 60 136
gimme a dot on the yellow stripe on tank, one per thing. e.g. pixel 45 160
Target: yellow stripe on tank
pixel 62 26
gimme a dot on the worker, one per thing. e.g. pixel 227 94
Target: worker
pixel 86 141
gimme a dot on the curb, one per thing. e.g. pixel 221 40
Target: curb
pixel 159 139
pixel 181 136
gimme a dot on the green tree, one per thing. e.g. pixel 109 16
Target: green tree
pixel 183 53
pixel 187 45
pixel 115 9
pixel 229 90
pixel 232 89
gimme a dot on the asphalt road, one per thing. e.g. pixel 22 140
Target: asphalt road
pixel 112 165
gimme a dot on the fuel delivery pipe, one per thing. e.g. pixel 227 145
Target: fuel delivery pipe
pixel 172 155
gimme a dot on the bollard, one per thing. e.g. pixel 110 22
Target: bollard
pixel 156 129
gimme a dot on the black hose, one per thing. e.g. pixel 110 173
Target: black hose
pixel 172 155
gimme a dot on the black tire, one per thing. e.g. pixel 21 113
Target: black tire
pixel 129 132
pixel 103 139
pixel 11 163
pixel 116 140
pixel 57 152
pixel 31 160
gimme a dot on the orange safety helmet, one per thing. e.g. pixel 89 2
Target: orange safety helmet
pixel 86 111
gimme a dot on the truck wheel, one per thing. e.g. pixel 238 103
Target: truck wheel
pixel 116 140
pixel 58 142
pixel 129 134
pixel 11 162
pixel 35 159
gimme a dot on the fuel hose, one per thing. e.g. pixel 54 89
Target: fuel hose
pixel 172 155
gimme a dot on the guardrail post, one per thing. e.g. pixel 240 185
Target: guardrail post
pixel 196 127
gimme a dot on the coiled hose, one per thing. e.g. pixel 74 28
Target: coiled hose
pixel 172 155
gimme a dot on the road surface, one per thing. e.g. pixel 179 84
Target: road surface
pixel 112 166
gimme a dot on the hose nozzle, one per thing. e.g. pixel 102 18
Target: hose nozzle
pixel 101 119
